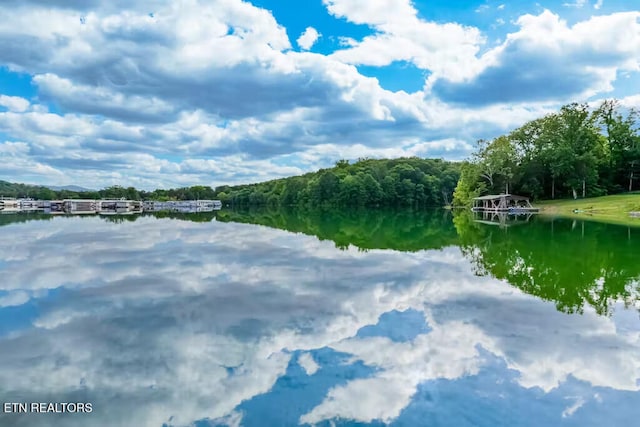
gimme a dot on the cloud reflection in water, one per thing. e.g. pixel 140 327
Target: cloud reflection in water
pixel 170 322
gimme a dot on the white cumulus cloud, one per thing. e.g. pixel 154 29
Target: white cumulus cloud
pixel 308 38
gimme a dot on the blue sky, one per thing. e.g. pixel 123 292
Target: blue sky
pixel 162 93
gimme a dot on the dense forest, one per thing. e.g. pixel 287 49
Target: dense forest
pixel 411 182
pixel 575 152
pixel 8 189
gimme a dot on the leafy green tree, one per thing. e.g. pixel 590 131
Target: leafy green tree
pixel 352 191
pixel 292 188
pixel 406 192
pixel 498 161
pixel 622 138
pixel 373 190
pixel 342 164
pixel 132 194
pixel 328 186
pixel 470 185
pixel 579 137
pixel 44 193
pixel 389 191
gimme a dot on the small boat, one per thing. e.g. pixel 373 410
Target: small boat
pixel 9 205
pixel 80 206
pixel 28 205
pixel 523 210
pixel 183 206
pixel 55 207
pixel 119 207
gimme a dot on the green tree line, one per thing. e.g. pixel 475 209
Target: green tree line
pixel 8 189
pixel 409 182
pixel 576 152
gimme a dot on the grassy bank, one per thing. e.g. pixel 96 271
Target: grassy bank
pixel 612 209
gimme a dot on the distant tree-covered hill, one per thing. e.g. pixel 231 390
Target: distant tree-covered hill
pixel 75 188
pixel 367 182
pixel 411 182
pixel 8 189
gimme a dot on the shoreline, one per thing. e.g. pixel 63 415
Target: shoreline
pixel 613 209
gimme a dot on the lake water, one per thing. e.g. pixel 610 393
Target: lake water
pixel 273 318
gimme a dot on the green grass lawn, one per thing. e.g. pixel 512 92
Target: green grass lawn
pixel 613 209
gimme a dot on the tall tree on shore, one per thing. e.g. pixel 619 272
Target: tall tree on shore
pixel 499 160
pixel 470 185
pixel 580 140
pixel 623 142
pixel 574 152
pixel 529 143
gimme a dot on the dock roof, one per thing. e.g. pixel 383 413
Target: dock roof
pixel 500 196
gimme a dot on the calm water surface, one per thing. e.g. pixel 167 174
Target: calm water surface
pixel 329 319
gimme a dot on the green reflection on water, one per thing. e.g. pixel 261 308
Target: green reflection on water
pixel 402 230
pixel 6 219
pixel 573 263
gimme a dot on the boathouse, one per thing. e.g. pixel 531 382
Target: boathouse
pixel 502 203
pixel 9 204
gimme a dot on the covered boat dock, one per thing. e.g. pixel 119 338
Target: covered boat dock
pixel 503 203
